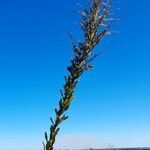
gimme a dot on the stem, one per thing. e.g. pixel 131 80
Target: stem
pixel 91 25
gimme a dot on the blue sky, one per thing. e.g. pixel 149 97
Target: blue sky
pixel 112 103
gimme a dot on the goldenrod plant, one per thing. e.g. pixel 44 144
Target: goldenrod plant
pixel 95 24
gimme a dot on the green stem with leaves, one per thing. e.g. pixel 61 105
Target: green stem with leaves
pixel 95 25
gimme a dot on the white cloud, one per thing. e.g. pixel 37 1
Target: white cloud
pixel 74 141
pixel 79 141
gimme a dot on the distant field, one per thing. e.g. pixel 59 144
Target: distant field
pixel 112 149
pixel 124 149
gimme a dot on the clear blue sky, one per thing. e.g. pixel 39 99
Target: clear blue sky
pixel 112 104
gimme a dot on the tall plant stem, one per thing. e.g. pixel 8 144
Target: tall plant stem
pixel 95 25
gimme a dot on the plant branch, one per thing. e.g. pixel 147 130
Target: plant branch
pixel 94 30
